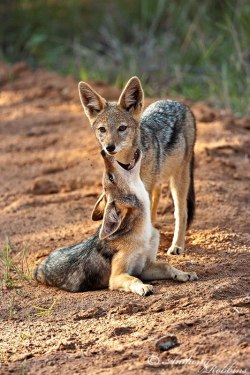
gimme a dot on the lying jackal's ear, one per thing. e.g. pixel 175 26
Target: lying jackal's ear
pixel 92 102
pixel 98 211
pixel 111 221
pixel 132 97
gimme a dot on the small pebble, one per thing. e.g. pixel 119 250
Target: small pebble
pixel 166 343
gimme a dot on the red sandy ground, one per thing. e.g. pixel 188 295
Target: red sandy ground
pixel 50 178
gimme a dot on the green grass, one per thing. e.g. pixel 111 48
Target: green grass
pixel 13 275
pixel 193 49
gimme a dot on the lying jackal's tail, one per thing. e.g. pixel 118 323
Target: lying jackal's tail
pixel 191 195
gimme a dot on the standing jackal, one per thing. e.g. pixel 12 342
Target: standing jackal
pixel 165 133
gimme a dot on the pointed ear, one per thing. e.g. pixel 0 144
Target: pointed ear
pixel 132 97
pixel 111 221
pixel 92 102
pixel 97 213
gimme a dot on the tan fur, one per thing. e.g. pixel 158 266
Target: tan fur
pixel 125 206
pixel 155 197
pixel 175 169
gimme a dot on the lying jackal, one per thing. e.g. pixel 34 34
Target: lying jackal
pixel 123 250
pixel 164 132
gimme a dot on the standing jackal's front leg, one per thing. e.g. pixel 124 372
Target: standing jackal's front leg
pixel 163 271
pixel 155 197
pixel 179 186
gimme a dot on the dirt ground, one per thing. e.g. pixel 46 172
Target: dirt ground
pixel 50 172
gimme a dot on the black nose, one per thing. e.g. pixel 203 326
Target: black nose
pixel 110 148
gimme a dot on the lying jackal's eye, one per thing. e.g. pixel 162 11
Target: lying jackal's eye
pixel 111 178
pixel 102 129
pixel 122 128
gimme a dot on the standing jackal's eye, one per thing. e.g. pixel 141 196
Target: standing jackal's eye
pixel 102 129
pixel 122 128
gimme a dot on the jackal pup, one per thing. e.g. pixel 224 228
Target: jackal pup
pixel 165 133
pixel 123 248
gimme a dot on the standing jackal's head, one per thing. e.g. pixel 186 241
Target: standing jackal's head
pixel 116 124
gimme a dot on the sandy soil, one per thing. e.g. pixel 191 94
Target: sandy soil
pixel 50 178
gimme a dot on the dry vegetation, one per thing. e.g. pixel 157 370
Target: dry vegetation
pixel 184 48
pixel 50 179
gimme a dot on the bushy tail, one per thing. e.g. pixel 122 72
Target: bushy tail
pixel 191 195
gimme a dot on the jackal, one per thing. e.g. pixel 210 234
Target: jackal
pixel 165 133
pixel 123 250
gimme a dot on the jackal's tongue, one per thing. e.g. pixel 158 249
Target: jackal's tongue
pixel 131 165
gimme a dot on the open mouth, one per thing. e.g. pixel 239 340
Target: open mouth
pixel 133 162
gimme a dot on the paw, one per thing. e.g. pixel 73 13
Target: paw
pixel 185 276
pixel 142 289
pixel 175 250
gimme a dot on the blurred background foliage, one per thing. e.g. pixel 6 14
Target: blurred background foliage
pixel 190 48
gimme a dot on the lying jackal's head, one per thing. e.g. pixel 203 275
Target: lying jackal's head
pixel 116 124
pixel 118 205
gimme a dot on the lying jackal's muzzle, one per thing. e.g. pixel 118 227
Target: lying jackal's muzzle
pixel 110 160
pixel 133 162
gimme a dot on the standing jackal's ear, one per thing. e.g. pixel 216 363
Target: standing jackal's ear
pixel 132 97
pixel 92 102
pixel 111 221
